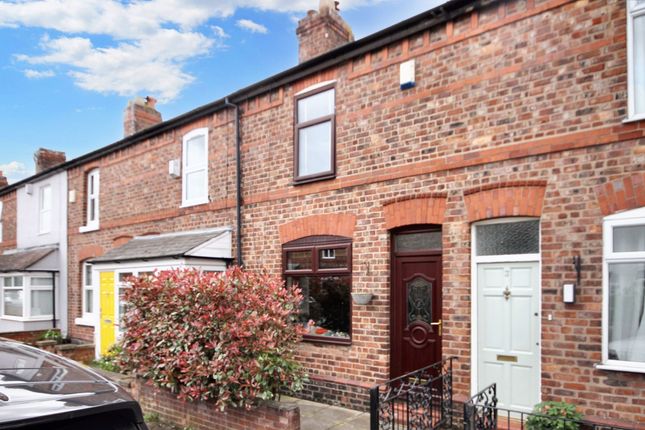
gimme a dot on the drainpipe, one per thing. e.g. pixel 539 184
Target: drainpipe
pixel 238 178
pixel 53 299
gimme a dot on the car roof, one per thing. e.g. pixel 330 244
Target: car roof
pixel 35 383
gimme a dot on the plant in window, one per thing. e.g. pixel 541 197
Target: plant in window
pixel 227 337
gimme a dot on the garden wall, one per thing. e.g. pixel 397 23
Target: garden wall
pixel 204 416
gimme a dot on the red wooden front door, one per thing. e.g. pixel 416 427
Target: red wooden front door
pixel 416 310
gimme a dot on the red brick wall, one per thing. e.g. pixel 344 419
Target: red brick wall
pixel 521 96
pixel 8 221
pixel 138 197
pixel 205 416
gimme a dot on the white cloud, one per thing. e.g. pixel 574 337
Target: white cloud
pixel 253 27
pixel 38 74
pixel 144 45
pixel 15 171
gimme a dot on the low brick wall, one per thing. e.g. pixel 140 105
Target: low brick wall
pixel 29 337
pixel 204 416
pixel 336 392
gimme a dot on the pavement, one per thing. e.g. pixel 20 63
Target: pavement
pixel 318 416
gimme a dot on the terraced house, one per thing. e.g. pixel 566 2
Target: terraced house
pixel 475 172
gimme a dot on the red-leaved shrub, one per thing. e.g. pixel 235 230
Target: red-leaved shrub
pixel 226 337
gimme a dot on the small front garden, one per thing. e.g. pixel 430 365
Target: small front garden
pixel 228 339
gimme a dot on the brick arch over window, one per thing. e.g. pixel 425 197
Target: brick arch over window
pixel 90 251
pixel 622 194
pixel 429 210
pixel 318 225
pixel 505 199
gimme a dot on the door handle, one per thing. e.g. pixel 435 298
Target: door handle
pixel 438 324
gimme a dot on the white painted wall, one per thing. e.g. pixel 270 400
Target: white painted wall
pixel 29 236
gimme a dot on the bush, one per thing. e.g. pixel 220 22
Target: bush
pixel 111 361
pixel 226 337
pixel 52 335
pixel 548 414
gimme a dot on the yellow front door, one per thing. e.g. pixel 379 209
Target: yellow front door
pixel 107 311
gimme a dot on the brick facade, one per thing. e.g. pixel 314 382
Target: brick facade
pixel 517 111
pixel 9 226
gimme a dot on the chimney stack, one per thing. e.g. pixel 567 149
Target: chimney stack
pixel 321 31
pixel 139 115
pixel 46 158
pixel 3 180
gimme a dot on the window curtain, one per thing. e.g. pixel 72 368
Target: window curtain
pixel 627 311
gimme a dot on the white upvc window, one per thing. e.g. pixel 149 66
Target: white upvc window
pixel 88 293
pixel 194 172
pixel 636 59
pixel 123 284
pixel 1 226
pixel 92 188
pixel 623 344
pixel 27 297
pixel 45 209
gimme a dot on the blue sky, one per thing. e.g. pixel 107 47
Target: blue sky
pixel 68 67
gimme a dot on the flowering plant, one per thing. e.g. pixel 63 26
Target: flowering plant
pixel 228 337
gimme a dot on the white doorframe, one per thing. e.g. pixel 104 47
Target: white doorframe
pixel 514 258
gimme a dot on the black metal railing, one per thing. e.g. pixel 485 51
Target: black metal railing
pixel 482 413
pixel 419 400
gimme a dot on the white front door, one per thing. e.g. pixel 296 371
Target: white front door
pixel 508 332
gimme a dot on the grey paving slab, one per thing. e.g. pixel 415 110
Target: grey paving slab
pixel 318 416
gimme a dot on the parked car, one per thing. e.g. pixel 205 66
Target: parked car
pixel 39 390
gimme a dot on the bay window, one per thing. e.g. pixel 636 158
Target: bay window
pixel 315 148
pixel 321 267
pixel 27 297
pixel 194 172
pixel 636 58
pixel 624 291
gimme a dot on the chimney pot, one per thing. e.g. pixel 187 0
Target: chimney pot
pixel 3 180
pixel 140 114
pixel 46 159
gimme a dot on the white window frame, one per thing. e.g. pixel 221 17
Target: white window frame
pixel 185 171
pixel 87 316
pixel 628 218
pixel 1 224
pixel 45 213
pixel 26 288
pixel 634 10
pixel 92 224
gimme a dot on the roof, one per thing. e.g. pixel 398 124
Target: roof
pixel 172 245
pixel 420 22
pixel 22 260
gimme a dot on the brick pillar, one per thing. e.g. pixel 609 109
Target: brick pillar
pixel 321 31
pixel 46 159
pixel 139 115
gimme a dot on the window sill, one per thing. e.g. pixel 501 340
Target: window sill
pixel 88 228
pixel 620 368
pixel 27 319
pixel 634 118
pixel 309 179
pixel 326 340
pixel 191 204
pixel 84 322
